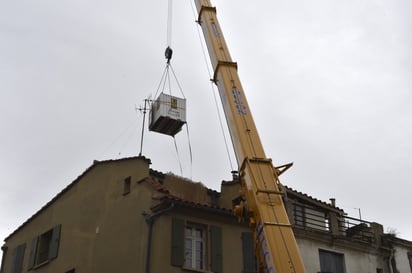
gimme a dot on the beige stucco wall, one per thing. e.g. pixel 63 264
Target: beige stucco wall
pixel 100 225
pixel 355 261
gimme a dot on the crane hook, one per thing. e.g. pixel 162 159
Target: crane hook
pixel 168 54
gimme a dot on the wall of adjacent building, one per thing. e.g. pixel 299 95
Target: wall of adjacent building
pixel 355 261
pixel 401 257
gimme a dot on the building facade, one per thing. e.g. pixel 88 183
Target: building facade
pixel 121 216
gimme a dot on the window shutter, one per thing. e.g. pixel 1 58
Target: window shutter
pixel 248 250
pixel 178 229
pixel 54 243
pixel 216 249
pixel 33 248
pixel 18 256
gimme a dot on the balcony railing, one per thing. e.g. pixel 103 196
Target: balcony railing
pixel 356 229
pixel 311 218
pixel 330 222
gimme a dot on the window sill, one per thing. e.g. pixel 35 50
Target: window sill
pixel 194 270
pixel 40 264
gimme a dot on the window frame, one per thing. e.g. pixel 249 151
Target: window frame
pixel 337 257
pixel 213 254
pixel 46 245
pixel 43 247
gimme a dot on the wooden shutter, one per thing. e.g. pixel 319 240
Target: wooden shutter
pixel 18 256
pixel 54 243
pixel 248 250
pixel 216 249
pixel 33 248
pixel 178 229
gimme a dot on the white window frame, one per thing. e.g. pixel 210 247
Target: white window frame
pixel 195 256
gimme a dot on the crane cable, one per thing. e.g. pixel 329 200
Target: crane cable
pixel 169 24
pixel 212 87
pixel 165 81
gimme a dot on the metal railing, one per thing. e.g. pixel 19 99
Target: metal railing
pixel 356 229
pixel 309 217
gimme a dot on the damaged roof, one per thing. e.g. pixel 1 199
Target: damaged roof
pixel 170 188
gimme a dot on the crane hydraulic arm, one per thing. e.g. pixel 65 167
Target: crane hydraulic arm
pixel 275 244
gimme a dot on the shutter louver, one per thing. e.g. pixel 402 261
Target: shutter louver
pixel 54 243
pixel 248 250
pixel 33 249
pixel 18 256
pixel 177 255
pixel 216 249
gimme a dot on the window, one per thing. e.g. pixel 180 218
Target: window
pixel 44 248
pixel 18 257
pixel 331 262
pixel 196 246
pixel 126 185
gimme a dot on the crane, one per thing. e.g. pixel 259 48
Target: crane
pixel 275 243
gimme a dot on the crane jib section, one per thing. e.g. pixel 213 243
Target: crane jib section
pixel 275 244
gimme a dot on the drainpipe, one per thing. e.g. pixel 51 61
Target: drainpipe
pixel 4 249
pixel 390 261
pixel 150 220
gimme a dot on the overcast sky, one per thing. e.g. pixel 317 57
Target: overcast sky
pixel 328 81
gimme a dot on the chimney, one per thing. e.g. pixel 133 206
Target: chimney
pixel 235 176
pixel 333 201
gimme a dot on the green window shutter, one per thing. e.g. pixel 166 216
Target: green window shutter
pixel 178 229
pixel 33 247
pixel 54 243
pixel 18 257
pixel 216 249
pixel 248 250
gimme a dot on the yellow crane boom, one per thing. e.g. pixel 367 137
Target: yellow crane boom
pixel 275 244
